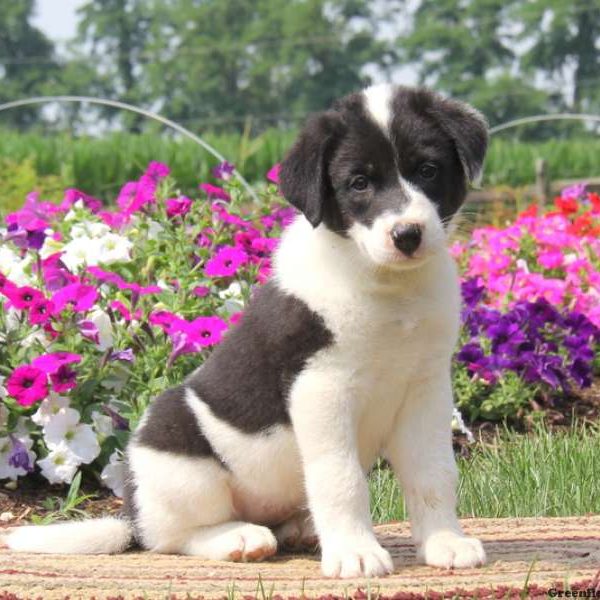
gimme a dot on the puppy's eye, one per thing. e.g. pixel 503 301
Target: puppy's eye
pixel 428 171
pixel 359 183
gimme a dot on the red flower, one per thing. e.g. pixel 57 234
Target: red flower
pixel 530 211
pixel 567 206
pixel 595 200
pixel 27 385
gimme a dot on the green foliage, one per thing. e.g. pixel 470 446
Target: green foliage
pixel 514 477
pixel 560 35
pixel 100 166
pixel 507 399
pixel 17 179
pixel 64 508
pixel 219 60
pixel 27 65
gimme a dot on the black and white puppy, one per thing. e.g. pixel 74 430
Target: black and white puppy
pixel 344 356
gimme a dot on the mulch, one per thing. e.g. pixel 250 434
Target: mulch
pixel 526 558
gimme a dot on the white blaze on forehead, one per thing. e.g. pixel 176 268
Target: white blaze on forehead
pixel 379 104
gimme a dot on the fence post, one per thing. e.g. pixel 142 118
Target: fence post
pixel 542 181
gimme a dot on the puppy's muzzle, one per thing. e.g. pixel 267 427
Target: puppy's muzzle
pixel 407 238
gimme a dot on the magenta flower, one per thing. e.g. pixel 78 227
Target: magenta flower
pixel 201 291
pixel 89 331
pixel 108 277
pixel 214 192
pixel 64 379
pixel 226 262
pixel 24 297
pixel 163 319
pixel 6 285
pixel 55 274
pixel 41 311
pixel 27 385
pixel 72 196
pixel 273 174
pixel 193 337
pixel 177 207
pixel 206 331
pixel 51 362
pixel 119 307
pixel 78 296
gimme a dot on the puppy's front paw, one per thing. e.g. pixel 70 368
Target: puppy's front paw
pixel 448 550
pixel 355 557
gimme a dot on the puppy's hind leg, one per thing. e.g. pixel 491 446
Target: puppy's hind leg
pixel 183 505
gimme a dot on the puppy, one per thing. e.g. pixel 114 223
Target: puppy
pixel 344 356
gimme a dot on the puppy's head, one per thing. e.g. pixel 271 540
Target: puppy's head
pixel 387 168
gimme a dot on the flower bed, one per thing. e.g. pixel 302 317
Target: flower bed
pixel 100 310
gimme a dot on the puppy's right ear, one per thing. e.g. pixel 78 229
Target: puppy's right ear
pixel 304 178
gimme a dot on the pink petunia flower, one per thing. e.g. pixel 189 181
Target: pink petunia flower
pixel 207 331
pixel 192 337
pixel 273 174
pixel 41 312
pixel 78 296
pixel 51 362
pixel 177 207
pixel 73 195
pixel 120 308
pixel 226 262
pixel 27 385
pixel 24 297
pixel 214 192
pixel 201 291
pixel 6 285
pixel 64 379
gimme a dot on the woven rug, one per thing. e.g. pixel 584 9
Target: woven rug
pixel 526 557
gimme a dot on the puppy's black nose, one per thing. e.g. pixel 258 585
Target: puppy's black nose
pixel 407 238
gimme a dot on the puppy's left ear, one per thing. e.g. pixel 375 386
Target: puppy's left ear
pixel 468 129
pixel 304 177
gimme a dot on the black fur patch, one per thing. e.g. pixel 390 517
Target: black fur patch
pixel 171 426
pixel 247 378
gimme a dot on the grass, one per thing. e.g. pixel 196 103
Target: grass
pixel 100 166
pixel 540 474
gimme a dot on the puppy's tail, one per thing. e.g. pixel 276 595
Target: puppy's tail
pixel 109 535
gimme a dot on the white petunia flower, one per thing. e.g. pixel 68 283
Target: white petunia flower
pixel 113 248
pixel 113 474
pixel 102 424
pixel 14 267
pixel 60 465
pixel 233 292
pixel 154 230
pixel 53 406
pixel 80 252
pixel 80 438
pixel 89 229
pixel 105 329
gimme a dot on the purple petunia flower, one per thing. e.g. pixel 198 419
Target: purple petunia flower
pixel 124 355
pixel 224 171
pixel 472 292
pixel 18 457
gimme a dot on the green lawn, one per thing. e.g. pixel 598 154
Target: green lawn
pixel 539 474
